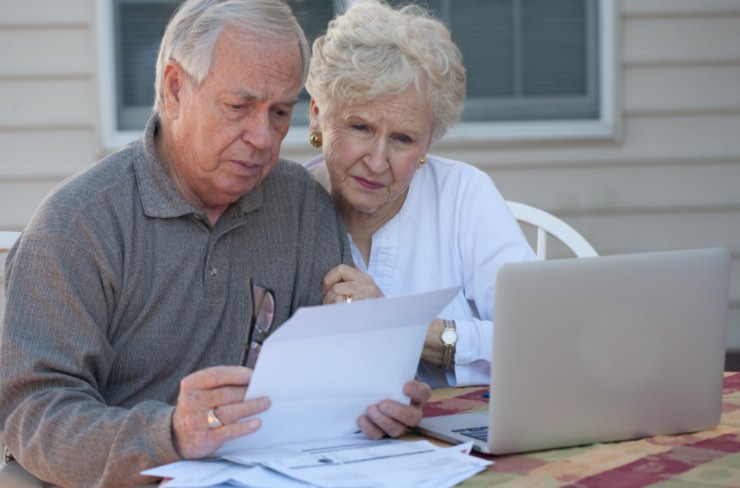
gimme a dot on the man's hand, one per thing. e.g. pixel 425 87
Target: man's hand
pixel 343 282
pixel 221 388
pixel 392 418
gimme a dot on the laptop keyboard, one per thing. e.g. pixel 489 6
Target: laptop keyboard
pixel 479 433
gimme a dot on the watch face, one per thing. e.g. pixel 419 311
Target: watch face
pixel 449 337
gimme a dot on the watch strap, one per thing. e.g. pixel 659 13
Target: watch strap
pixel 448 349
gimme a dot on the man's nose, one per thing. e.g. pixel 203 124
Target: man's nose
pixel 257 130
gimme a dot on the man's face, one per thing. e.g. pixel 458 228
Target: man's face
pixel 224 135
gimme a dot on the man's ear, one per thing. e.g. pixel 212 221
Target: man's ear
pixel 174 79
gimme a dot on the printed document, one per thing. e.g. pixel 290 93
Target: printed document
pixel 322 369
pixel 324 366
pixel 350 462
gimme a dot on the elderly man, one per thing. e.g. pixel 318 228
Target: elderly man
pixel 127 296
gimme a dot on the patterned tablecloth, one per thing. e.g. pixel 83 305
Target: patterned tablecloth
pixel 703 459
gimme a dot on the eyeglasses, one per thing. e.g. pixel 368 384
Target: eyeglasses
pixel 260 323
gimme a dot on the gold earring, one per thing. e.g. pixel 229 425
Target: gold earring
pixel 314 138
pixel 422 160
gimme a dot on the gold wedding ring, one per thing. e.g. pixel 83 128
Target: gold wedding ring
pixel 213 421
pixel 347 299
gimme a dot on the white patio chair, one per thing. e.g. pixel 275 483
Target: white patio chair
pixel 547 224
pixel 12 475
pixel 7 239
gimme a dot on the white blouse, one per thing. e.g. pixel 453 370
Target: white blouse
pixel 454 229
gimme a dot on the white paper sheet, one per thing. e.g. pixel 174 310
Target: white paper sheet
pixel 391 464
pixel 327 364
pixel 349 462
pixel 217 473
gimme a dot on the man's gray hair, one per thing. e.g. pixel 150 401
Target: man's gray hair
pixel 194 28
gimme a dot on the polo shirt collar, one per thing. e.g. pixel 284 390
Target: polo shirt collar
pixel 160 198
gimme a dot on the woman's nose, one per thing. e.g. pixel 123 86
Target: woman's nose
pixel 377 157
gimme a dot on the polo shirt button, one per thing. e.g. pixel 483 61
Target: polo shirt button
pixel 213 271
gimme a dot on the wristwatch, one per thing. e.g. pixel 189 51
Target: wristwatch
pixel 449 339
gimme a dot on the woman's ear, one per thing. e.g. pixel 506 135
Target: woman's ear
pixel 313 111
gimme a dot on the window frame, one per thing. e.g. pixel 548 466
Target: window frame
pixel 112 137
pixel 605 127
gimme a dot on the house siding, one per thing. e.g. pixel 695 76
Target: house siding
pixel 48 100
pixel 668 179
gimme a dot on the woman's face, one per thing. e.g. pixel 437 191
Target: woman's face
pixel 372 151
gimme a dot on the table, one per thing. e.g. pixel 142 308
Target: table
pixel 703 459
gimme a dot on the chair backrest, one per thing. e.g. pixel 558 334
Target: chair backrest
pixel 547 224
pixel 7 239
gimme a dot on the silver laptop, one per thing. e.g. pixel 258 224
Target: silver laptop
pixel 601 349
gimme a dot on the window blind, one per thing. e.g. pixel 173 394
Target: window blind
pixel 525 59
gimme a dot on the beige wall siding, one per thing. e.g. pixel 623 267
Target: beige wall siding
pixel 669 178
pixel 48 100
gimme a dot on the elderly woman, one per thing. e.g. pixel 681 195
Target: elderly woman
pixel 385 84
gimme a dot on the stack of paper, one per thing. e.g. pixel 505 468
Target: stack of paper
pixel 349 462
pixel 322 369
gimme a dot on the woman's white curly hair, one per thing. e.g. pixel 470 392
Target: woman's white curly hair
pixel 373 51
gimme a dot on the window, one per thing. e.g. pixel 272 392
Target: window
pixel 138 27
pixel 529 62
pixel 526 59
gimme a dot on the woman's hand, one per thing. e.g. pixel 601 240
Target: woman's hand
pixel 433 347
pixel 347 282
pixel 222 389
pixel 390 418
